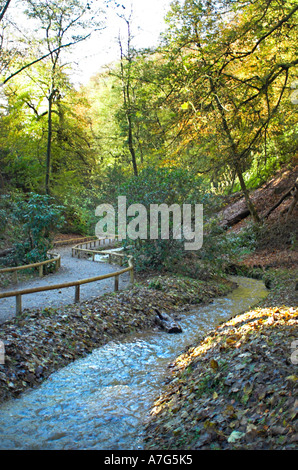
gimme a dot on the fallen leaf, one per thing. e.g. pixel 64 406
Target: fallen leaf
pixel 292 378
pixel 235 436
pixel 214 364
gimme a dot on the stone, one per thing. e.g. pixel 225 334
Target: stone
pixel 167 323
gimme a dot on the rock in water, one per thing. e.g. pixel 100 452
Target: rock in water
pixel 167 323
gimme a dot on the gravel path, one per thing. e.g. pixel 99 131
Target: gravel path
pixel 71 269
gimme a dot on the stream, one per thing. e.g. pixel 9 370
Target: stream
pixel 101 401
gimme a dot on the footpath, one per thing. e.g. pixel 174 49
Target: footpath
pixel 71 269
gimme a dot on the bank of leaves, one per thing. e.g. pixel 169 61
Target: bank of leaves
pixel 44 340
pixel 236 389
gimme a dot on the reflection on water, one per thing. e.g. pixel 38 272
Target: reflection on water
pixel 100 401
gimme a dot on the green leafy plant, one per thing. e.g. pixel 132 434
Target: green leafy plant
pixel 38 218
pixel 160 186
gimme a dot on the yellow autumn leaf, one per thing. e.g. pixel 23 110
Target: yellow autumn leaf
pixel 292 378
pixel 231 341
pixel 214 364
pixel 185 105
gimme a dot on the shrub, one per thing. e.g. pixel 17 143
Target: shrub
pixel 160 186
pixel 38 218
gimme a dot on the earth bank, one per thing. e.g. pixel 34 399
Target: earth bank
pixel 237 387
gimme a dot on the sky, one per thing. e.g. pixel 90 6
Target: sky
pixel 103 47
pixel 88 57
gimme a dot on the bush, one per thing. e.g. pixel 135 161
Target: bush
pixel 160 186
pixel 38 218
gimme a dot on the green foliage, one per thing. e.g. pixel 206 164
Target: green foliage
pixel 220 250
pixel 214 100
pixel 37 218
pixel 156 255
pixel 4 210
pixel 168 185
pixel 160 186
pixel 233 100
pixel 179 186
pixel 80 216
pixel 155 284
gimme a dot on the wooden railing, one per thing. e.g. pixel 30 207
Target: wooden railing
pixel 18 294
pixel 55 259
pixel 97 247
pixel 93 247
pixel 71 241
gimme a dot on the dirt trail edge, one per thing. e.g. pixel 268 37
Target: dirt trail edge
pixel 71 269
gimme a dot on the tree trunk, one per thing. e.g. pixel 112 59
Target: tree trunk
pixel 2 184
pixel 291 192
pixel 3 11
pixel 294 193
pixel 249 203
pixel 167 323
pixel 130 145
pixel 126 80
pixel 234 153
pixel 49 143
pixel 236 218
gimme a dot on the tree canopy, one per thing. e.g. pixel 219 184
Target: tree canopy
pixel 215 98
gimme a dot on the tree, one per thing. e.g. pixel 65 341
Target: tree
pixel 87 18
pixel 24 135
pixel 168 187
pixel 126 63
pixel 237 64
pixel 58 20
pixel 3 8
pixel 128 114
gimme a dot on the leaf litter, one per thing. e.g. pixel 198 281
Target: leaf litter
pixel 236 389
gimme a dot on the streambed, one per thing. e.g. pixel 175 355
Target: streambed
pixel 101 401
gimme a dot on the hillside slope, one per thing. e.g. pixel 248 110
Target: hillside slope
pixel 278 240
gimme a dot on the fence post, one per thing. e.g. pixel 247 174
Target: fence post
pixel 2 352
pixel 116 283
pixel 15 277
pixel 40 269
pixel 77 294
pixel 18 304
pixel 131 276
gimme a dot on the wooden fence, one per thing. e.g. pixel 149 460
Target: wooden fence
pixel 55 259
pixel 77 251
pixel 93 247
pixel 71 241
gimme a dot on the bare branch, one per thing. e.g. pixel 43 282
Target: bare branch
pixel 63 46
pixel 4 9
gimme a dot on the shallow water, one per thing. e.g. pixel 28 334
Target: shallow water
pixel 100 401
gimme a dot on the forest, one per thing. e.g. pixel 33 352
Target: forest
pixel 210 112
pixel 206 117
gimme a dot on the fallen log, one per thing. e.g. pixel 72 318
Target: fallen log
pixel 237 218
pixel 167 323
pixel 292 192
